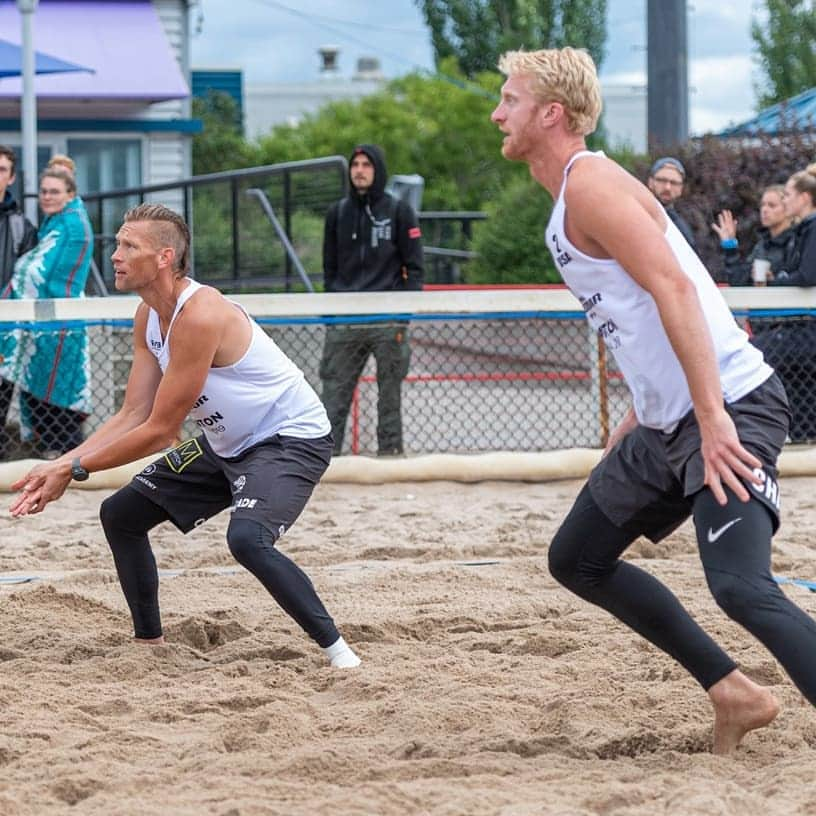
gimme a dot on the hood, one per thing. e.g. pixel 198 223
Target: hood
pixel 8 203
pixel 380 174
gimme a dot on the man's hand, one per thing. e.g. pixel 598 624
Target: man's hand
pixel 726 461
pixel 41 485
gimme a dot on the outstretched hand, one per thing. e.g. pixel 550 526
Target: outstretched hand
pixel 726 461
pixel 42 484
pixel 725 226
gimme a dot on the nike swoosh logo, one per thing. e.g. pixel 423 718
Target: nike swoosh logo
pixel 714 535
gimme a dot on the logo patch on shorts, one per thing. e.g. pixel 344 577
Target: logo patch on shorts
pixel 769 489
pixel 239 483
pixel 181 456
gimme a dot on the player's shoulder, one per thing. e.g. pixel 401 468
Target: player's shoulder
pixel 598 179
pixel 595 169
pixel 205 304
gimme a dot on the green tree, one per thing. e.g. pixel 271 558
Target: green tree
pixel 786 51
pixel 476 32
pixel 510 243
pixel 437 127
pixel 220 145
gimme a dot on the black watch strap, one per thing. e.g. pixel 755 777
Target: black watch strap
pixel 78 473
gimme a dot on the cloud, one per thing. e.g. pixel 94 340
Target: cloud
pixel 721 92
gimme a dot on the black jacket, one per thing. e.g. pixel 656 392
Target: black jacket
pixel 776 249
pixel 682 225
pixel 9 253
pixel 800 266
pixel 372 242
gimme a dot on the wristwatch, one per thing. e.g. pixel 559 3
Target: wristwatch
pixel 78 473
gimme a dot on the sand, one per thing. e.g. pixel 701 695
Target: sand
pixel 485 688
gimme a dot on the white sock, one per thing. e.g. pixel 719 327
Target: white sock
pixel 341 655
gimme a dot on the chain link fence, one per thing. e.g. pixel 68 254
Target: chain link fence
pixel 479 379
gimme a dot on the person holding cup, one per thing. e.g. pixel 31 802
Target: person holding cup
pixel 789 343
pixel 769 253
pixel 799 268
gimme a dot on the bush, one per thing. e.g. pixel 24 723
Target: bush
pixel 510 243
pixel 731 174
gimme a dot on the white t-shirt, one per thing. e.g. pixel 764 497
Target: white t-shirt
pixel 262 394
pixel 625 316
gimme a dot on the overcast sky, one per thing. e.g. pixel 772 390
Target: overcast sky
pixel 277 42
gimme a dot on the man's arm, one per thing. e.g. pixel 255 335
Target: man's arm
pixel 144 425
pixel 29 238
pixel 409 244
pixel 610 210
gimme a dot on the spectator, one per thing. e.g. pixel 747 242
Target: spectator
pixel 789 343
pixel 371 244
pixel 666 180
pixel 17 236
pixel 775 243
pixel 51 367
pixel 800 204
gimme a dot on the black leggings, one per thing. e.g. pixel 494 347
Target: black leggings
pixel 127 516
pixel 585 558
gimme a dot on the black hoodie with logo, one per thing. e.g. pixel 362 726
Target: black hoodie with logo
pixel 372 241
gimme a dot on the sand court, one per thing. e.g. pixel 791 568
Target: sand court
pixel 485 687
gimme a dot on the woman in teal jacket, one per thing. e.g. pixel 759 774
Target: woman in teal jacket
pixel 51 366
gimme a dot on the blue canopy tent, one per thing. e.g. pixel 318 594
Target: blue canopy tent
pixel 11 62
pixel 796 113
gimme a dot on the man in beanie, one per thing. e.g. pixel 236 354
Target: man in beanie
pixel 666 180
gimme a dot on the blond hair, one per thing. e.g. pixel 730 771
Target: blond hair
pixel 169 230
pixel 805 182
pixel 565 75
pixel 61 160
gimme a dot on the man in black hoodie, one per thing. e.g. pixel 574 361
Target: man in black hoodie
pixel 371 244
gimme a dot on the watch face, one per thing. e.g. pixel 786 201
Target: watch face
pixel 78 472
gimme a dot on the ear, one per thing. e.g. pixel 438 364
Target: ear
pixel 552 113
pixel 167 255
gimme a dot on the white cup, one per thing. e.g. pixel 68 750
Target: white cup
pixel 759 271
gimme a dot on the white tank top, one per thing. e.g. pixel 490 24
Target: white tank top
pixel 626 317
pixel 261 395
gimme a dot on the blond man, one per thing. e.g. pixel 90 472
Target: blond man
pixel 708 418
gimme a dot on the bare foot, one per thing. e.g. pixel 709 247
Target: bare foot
pixel 740 706
pixel 150 641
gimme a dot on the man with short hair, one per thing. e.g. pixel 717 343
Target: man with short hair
pixel 17 234
pixel 371 244
pixel 265 444
pixel 666 180
pixel 709 416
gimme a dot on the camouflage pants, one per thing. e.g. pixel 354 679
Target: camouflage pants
pixel 345 353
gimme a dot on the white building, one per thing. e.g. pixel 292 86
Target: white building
pixel 286 103
pixel 625 116
pixel 126 121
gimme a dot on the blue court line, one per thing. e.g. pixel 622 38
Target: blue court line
pixel 811 585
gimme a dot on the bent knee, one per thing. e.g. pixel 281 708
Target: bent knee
pixel 563 560
pixel 741 599
pixel 248 539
